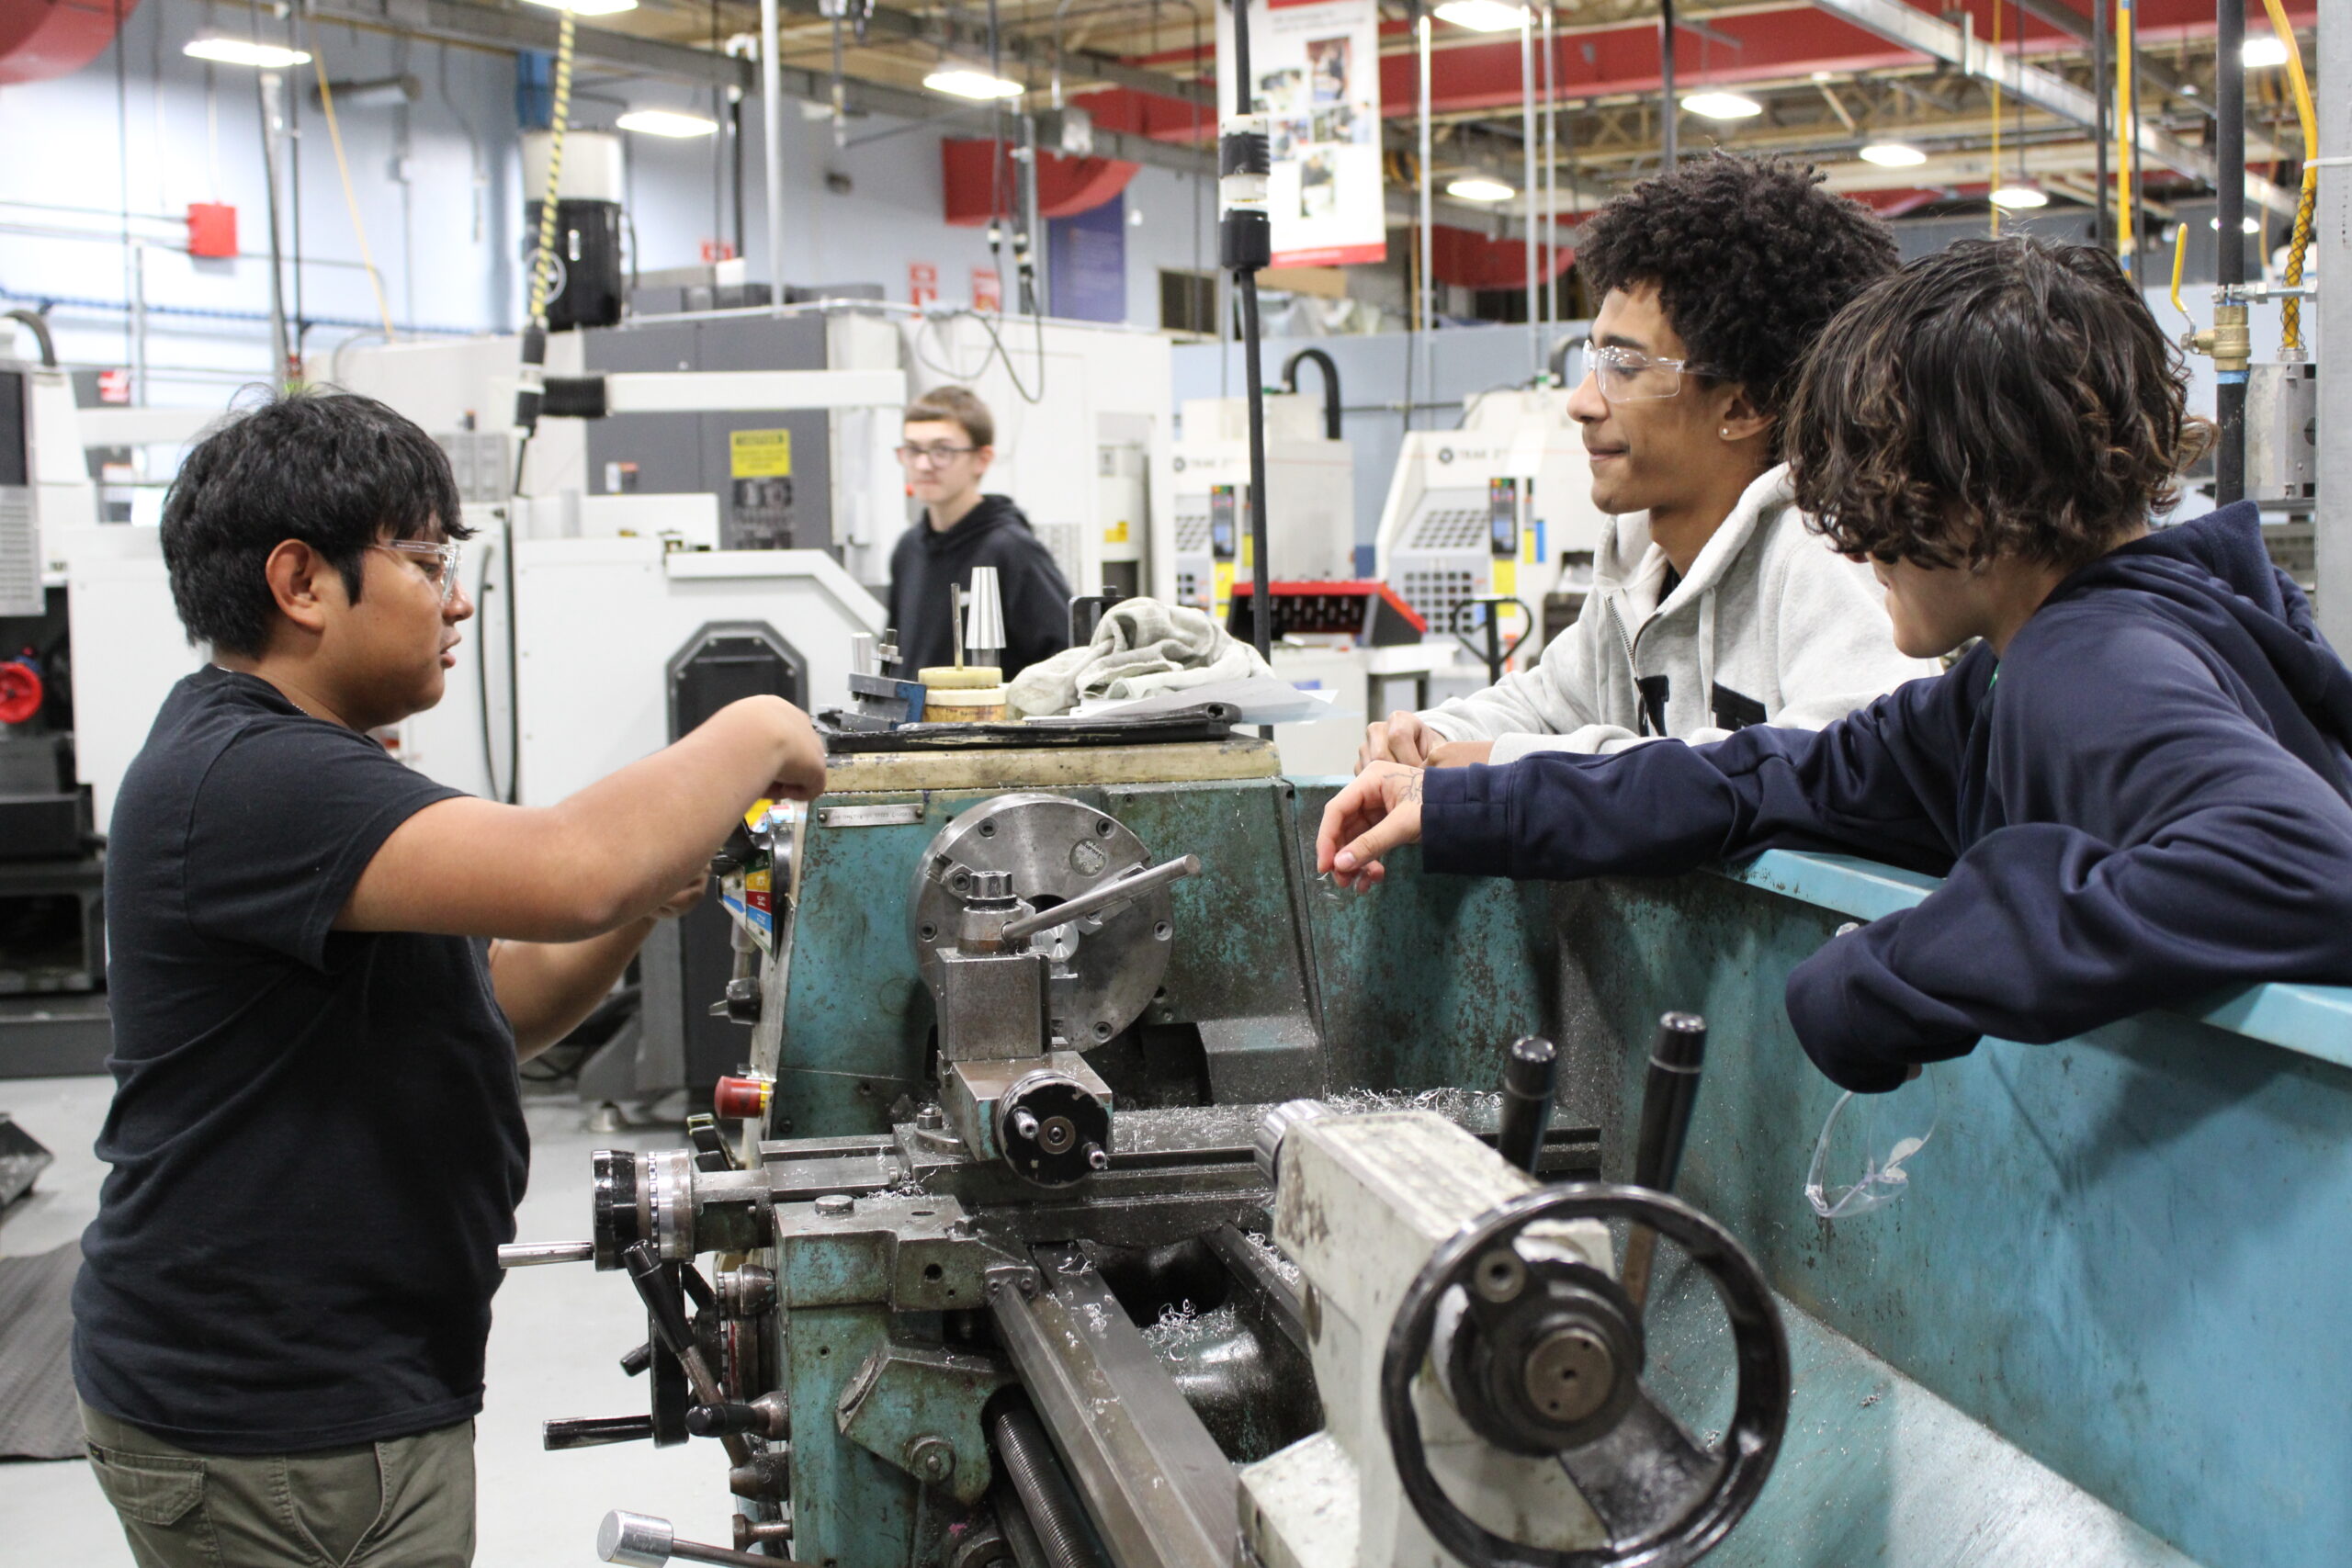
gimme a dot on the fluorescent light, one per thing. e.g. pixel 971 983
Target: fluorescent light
pixel 1483 16
pixel 1722 106
pixel 2260 51
pixel 1894 155
pixel 666 122
pixel 2018 196
pixel 962 82
pixel 1478 188
pixel 588 7
pixel 223 49
pixel 2248 224
pixel 1825 76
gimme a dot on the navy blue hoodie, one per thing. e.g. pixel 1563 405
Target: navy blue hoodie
pixel 2149 799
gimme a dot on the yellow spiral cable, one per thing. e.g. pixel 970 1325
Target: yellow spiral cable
pixel 543 272
pixel 2291 311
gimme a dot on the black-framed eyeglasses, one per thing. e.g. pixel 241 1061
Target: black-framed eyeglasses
pixel 933 457
pixel 1629 376
pixel 437 561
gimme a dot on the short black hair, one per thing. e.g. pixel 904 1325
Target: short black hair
pixel 2003 397
pixel 1750 258
pixel 334 471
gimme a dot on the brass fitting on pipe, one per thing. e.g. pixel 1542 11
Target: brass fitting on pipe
pixel 2232 347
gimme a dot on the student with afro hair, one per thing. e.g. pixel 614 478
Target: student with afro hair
pixel 1712 606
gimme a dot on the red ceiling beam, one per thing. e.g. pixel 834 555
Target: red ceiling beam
pixel 1065 187
pixel 1469 76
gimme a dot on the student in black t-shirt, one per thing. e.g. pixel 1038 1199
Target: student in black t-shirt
pixel 324 968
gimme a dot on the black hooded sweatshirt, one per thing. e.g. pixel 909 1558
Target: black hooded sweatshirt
pixel 928 563
pixel 2148 799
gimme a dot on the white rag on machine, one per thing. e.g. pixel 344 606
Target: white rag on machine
pixel 1140 649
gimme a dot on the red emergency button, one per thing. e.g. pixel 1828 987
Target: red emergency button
pixel 740 1099
pixel 19 693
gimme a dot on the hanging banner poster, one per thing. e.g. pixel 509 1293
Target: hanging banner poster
pixel 1317 64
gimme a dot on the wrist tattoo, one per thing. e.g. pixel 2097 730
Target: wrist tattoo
pixel 1412 794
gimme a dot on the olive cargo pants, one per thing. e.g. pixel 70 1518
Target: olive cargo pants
pixel 407 1501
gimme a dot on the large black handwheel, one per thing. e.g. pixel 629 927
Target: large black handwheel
pixel 1575 1344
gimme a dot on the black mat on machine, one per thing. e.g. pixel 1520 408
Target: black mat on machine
pixel 38 1417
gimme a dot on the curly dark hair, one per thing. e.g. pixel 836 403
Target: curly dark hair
pixel 334 471
pixel 1750 257
pixel 2000 398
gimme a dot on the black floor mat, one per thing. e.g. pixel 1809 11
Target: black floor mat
pixel 39 1417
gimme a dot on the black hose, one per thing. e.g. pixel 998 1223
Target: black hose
pixel 1261 607
pixel 38 325
pixel 1330 386
pixel 1026 1457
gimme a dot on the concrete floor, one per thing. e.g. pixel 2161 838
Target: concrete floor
pixel 553 1345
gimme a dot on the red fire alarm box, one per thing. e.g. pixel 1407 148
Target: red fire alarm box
pixel 211 229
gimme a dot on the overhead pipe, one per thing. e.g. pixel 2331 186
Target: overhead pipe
pixel 1429 232
pixel 1669 109
pixel 1551 175
pixel 772 140
pixel 2233 340
pixel 1528 182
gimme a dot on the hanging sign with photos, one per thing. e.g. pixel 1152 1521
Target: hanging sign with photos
pixel 1318 69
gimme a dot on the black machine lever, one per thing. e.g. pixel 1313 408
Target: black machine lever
pixel 1530 1076
pixel 667 1308
pixel 1670 1094
pixel 593 1431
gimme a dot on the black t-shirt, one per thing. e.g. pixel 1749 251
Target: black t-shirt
pixel 317 1136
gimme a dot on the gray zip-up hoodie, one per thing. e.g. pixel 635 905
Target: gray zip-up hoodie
pixel 1771 626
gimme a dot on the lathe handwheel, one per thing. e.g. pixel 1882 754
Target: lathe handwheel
pixel 1625 1497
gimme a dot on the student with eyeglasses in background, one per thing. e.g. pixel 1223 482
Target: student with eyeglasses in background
pixel 1712 606
pixel 948 446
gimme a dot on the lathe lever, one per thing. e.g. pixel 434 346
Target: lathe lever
pixel 1102 897
pixel 524 1254
pixel 593 1431
pixel 668 1311
pixel 1670 1094
pixel 644 1541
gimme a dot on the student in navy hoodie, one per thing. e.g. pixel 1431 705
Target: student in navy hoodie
pixel 2136 785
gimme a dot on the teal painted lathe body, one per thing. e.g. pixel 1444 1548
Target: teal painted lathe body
pixel 2124 1255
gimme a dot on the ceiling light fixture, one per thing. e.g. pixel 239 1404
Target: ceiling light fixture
pixel 588 7
pixel 1483 16
pixel 1894 155
pixel 2019 197
pixel 666 122
pixel 1478 188
pixel 1722 106
pixel 2248 224
pixel 2260 53
pixel 224 48
pixel 964 82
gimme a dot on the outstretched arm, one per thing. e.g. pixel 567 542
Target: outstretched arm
pixel 2178 849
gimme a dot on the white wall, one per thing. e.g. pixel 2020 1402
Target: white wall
pixel 185 131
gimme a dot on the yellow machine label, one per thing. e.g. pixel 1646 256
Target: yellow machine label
pixel 1507 577
pixel 1530 549
pixel 1221 581
pixel 1116 534
pixel 760 454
